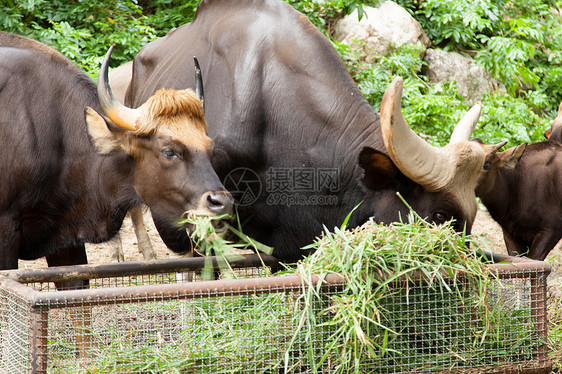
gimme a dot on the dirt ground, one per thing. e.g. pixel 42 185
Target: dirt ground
pixel 484 227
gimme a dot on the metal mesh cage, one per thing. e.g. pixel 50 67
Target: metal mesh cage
pixel 439 328
pixel 15 337
pixel 144 317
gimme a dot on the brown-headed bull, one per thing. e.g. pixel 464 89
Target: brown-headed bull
pixel 296 141
pixel 522 189
pixel 75 160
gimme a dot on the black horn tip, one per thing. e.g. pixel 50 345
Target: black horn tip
pixel 198 82
pixel 104 90
pixel 109 51
pixel 106 60
pixel 104 71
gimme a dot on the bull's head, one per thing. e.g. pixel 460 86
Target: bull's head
pixel 448 175
pixel 167 139
pixel 495 163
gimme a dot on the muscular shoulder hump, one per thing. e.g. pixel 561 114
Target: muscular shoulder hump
pixel 21 42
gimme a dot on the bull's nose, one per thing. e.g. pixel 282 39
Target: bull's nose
pixel 219 202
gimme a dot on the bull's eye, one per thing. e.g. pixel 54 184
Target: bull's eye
pixel 168 153
pixel 486 165
pixel 439 217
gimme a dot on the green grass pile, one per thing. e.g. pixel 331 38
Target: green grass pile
pixel 415 298
pixel 209 238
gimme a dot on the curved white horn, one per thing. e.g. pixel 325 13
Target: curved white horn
pixel 118 113
pixel 428 166
pixel 464 129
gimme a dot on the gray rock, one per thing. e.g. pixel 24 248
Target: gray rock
pixel 472 80
pixel 380 29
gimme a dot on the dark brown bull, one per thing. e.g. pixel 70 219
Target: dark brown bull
pixel 295 138
pixel 68 175
pixel 522 189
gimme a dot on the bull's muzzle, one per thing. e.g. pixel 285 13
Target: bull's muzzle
pixel 218 202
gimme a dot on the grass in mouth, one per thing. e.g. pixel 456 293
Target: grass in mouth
pixel 208 236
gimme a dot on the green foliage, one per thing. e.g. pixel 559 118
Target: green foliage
pixel 164 15
pixel 505 117
pixel 82 30
pixel 434 109
pixel 208 236
pixel 506 58
pixel 323 13
pixel 225 334
pixel 450 22
pixel 518 43
pixel 373 78
pixel 551 87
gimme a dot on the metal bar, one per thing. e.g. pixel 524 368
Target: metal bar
pixel 188 290
pixel 25 292
pixel 38 328
pixel 539 312
pixel 39 337
pixel 40 302
pixel 514 265
pixel 520 269
pixel 495 257
pixel 510 263
pixel 521 368
pixel 82 272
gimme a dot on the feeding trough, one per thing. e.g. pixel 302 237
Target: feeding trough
pixel 143 317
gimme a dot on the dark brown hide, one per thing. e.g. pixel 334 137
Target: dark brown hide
pixel 523 193
pixel 288 122
pixel 57 191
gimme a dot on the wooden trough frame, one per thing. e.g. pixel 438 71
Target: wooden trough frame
pixel 19 284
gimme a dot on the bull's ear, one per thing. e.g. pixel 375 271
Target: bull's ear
pixel 104 140
pixel 510 157
pixel 380 171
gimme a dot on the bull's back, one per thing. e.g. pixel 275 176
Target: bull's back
pixel 268 74
pixel 43 141
pixel 244 47
pixel 539 186
pixel 30 145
